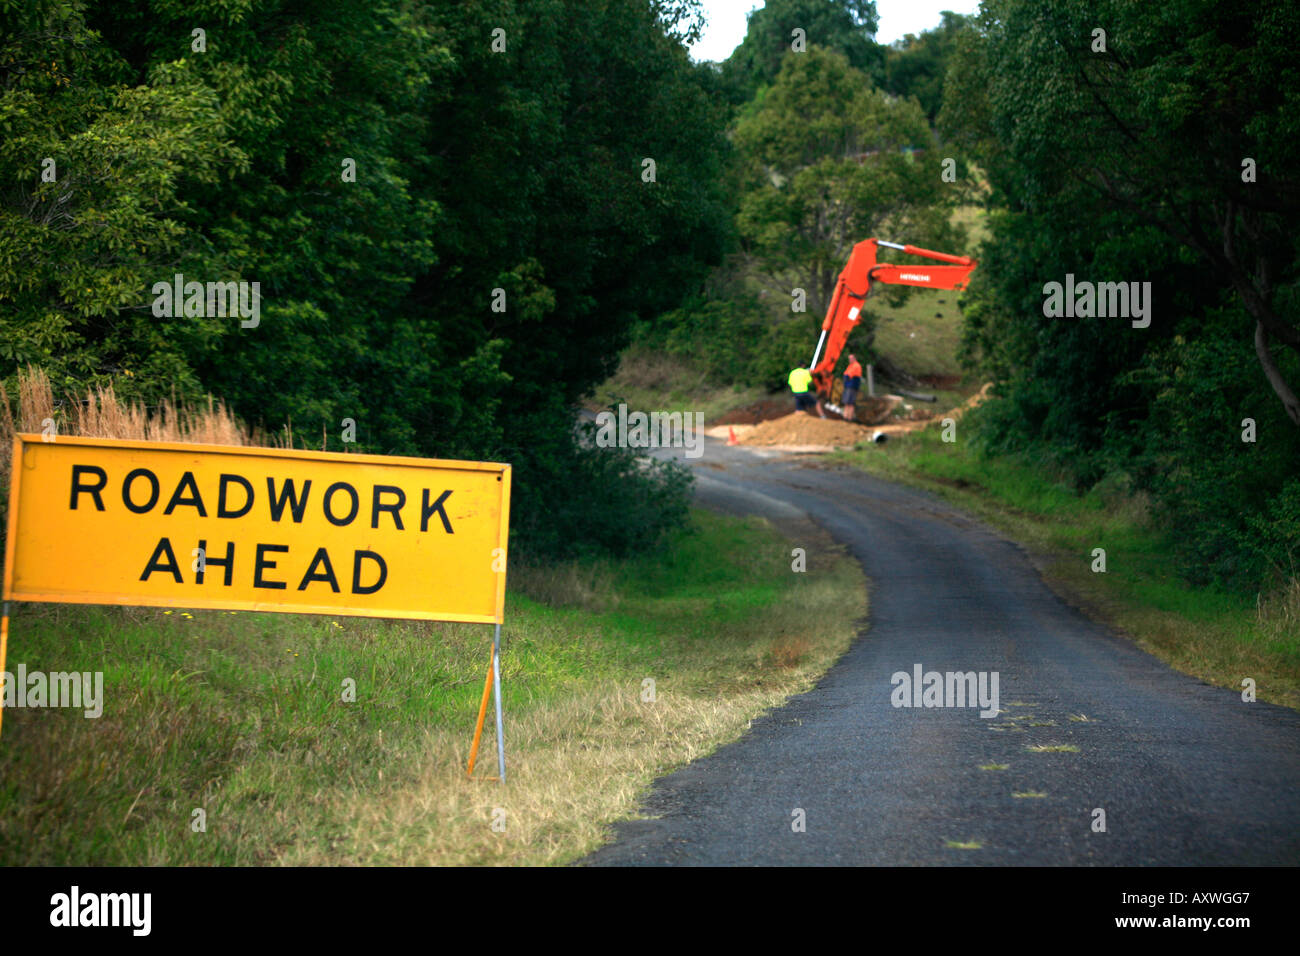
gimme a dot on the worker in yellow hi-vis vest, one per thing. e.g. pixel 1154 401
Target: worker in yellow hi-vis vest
pixel 801 386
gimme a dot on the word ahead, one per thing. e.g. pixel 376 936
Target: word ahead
pixel 97 521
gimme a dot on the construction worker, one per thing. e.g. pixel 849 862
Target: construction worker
pixel 801 386
pixel 852 382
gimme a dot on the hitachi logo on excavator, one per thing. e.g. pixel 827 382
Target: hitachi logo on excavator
pixel 914 276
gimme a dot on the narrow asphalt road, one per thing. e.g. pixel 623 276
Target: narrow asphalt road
pixel 1186 774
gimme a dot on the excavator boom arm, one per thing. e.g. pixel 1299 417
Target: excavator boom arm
pixel 854 286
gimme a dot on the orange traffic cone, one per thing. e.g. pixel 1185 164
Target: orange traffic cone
pixel 732 433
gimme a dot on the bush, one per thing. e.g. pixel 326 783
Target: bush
pixel 1232 506
pixel 575 500
pixel 734 340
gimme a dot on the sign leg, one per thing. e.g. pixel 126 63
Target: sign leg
pixel 4 650
pixel 482 714
pixel 496 692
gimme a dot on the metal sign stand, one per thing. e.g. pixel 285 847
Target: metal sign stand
pixel 493 684
pixel 4 647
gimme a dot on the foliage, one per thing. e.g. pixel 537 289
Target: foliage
pixel 1128 164
pixel 587 501
pixel 732 338
pixel 1230 504
pixel 92 207
pixel 916 65
pixel 486 175
pixel 847 27
pixel 830 161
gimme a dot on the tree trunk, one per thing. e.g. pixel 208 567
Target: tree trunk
pixel 1274 374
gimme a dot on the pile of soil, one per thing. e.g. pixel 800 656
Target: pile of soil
pixel 868 411
pixel 766 410
pixel 799 428
pixel 873 411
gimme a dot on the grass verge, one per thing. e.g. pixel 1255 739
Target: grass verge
pixel 243 717
pixel 1218 637
pixel 651 381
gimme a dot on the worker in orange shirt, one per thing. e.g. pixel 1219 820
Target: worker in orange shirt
pixel 852 382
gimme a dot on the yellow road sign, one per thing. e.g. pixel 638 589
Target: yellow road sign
pixel 102 521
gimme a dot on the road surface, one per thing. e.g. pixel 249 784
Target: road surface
pixel 1185 773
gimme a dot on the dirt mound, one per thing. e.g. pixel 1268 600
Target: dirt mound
pixel 873 411
pixel 867 411
pixel 799 428
pixel 766 410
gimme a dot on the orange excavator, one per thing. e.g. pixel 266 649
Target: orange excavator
pixel 852 289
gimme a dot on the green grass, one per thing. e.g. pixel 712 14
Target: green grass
pixel 922 334
pixel 1217 636
pixel 243 715
pixel 651 381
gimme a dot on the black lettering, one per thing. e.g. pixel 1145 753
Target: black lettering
pixel 92 490
pixel 296 506
pixel 356 503
pixel 228 562
pixel 356 573
pixel 126 490
pixel 322 557
pixel 222 510
pixel 428 510
pixel 394 509
pixel 194 501
pixel 263 564
pixel 164 548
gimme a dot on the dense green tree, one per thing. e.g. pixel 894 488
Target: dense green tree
pixel 1192 139
pixel 845 26
pixel 93 209
pixel 455 211
pixel 830 161
pixel 916 65
pixel 1145 143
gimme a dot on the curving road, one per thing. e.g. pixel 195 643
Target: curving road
pixel 1185 773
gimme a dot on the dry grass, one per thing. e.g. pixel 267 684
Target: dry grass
pixel 1279 613
pixel 101 414
pixel 575 585
pixel 581 762
pixel 574 766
